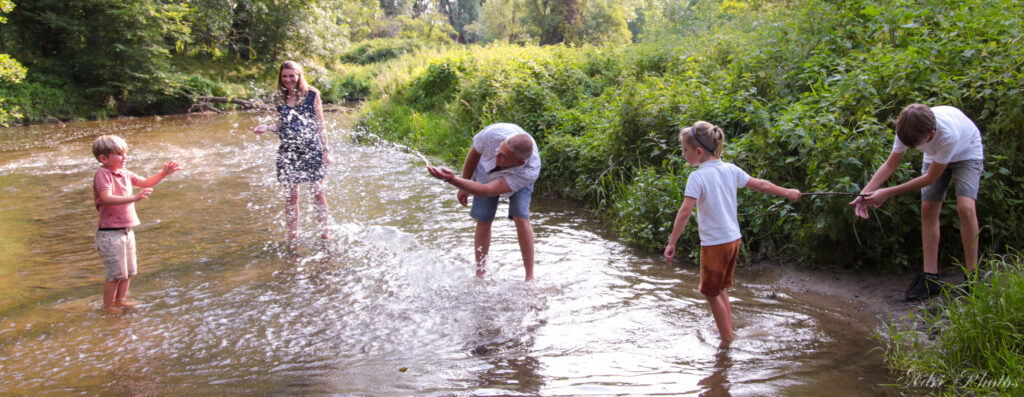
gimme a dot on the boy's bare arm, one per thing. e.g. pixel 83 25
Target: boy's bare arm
pixel 767 187
pixel 682 217
pixel 877 197
pixel 109 199
pixel 883 173
pixel 168 169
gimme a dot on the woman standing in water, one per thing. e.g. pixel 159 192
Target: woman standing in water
pixel 303 154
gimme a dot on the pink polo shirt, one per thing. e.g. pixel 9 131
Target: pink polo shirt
pixel 118 183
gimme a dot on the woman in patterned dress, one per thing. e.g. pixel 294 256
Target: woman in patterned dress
pixel 303 154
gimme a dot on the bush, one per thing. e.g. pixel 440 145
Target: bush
pixel 972 344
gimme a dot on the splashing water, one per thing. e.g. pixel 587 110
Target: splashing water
pixel 382 143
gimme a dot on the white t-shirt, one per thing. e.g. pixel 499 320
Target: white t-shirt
pixel 714 185
pixel 487 142
pixel 956 138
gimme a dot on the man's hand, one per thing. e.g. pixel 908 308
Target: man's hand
pixel 670 252
pixel 463 197
pixel 793 194
pixel 442 173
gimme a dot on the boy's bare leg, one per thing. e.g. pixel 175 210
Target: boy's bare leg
pixel 122 293
pixel 965 207
pixel 320 197
pixel 524 233
pixel 930 234
pixel 109 295
pixel 292 212
pixel 722 311
pixel 481 245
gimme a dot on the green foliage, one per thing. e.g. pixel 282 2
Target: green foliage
pixel 806 92
pixel 973 344
pixel 347 84
pixel 380 50
pixel 11 71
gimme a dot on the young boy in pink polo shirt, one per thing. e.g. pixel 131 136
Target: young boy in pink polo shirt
pixel 112 192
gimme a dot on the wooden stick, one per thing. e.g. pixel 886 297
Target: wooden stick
pixel 832 194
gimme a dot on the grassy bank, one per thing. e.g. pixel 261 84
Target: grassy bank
pixel 806 91
pixel 971 344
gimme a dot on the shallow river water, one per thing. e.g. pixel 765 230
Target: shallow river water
pixel 389 306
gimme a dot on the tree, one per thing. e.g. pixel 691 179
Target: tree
pixel 11 70
pixel 111 48
pixel 499 21
pixel 577 21
pixel 461 14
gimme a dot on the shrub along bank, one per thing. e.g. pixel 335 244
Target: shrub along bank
pixel 973 345
pixel 806 92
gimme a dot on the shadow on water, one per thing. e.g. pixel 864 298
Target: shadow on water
pixel 388 306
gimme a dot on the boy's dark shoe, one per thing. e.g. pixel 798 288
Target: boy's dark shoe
pixel 967 286
pixel 925 285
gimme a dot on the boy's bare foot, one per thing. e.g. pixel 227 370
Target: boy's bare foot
pixel 111 309
pixel 126 303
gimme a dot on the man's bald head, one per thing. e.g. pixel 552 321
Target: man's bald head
pixel 521 145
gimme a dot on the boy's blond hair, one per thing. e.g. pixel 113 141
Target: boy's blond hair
pixel 703 135
pixel 915 123
pixel 107 144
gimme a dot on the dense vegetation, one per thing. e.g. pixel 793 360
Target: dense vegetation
pixel 972 344
pixel 806 90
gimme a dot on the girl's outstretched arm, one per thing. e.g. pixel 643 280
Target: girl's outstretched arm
pixel 767 187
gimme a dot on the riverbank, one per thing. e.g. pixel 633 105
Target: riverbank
pixel 963 341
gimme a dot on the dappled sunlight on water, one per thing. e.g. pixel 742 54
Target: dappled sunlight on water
pixel 388 306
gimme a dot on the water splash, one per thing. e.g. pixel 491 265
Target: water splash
pixel 364 136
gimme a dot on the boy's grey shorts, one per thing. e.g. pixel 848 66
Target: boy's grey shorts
pixel 966 176
pixel 117 250
pixel 484 208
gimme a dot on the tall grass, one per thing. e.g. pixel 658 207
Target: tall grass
pixel 973 343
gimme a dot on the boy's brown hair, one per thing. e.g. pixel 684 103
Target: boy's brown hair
pixel 703 135
pixel 107 144
pixel 915 123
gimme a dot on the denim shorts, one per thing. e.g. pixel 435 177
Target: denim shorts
pixel 484 208
pixel 966 176
pixel 117 250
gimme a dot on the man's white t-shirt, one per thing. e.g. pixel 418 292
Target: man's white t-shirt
pixel 487 142
pixel 714 185
pixel 956 138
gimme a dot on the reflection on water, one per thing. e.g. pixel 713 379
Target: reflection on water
pixel 390 306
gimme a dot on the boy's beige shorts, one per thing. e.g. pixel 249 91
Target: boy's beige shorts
pixel 117 250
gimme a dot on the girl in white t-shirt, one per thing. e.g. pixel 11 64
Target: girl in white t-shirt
pixel 712 189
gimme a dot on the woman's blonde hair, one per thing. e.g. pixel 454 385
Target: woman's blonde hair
pixel 301 87
pixel 107 144
pixel 703 135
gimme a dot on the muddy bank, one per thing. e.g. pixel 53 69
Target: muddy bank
pixel 864 300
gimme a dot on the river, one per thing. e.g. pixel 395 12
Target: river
pixel 389 306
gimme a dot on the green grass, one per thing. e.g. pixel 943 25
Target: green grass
pixel 970 344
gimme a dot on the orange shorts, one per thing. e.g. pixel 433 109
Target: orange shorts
pixel 717 263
